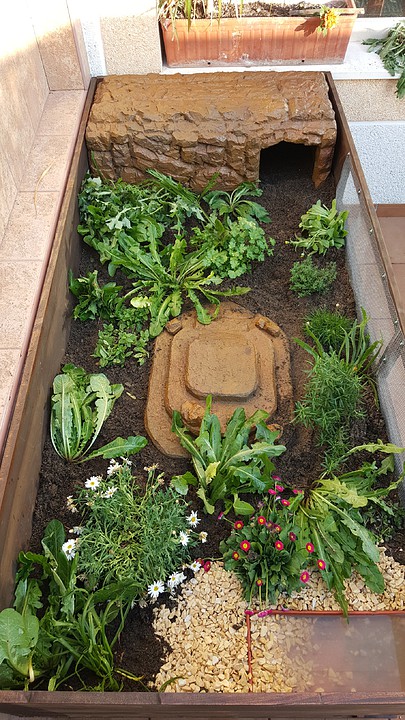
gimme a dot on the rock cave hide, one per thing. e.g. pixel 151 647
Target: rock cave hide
pixel 192 126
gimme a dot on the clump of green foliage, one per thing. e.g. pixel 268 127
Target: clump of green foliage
pixel 391 50
pixel 57 629
pixel 307 278
pixel 295 533
pixel 331 402
pixel 80 405
pixel 322 228
pixel 329 516
pixel 334 392
pixel 124 335
pixel 229 465
pixel 328 327
pixel 131 536
pixel 266 552
pixel 217 235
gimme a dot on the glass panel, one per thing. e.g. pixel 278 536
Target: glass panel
pixel 328 654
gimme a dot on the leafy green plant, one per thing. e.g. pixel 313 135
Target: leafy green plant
pixel 130 537
pixel 229 465
pixel 391 50
pixel 80 404
pixel 60 636
pixel 231 247
pixel 117 210
pixel 331 402
pixel 328 515
pixel 266 553
pixel 323 229
pixel 164 274
pixel 328 328
pixel 307 278
pixel 236 204
pixel 117 342
pixel 94 301
pixel 356 349
pixel 164 286
pixel 334 392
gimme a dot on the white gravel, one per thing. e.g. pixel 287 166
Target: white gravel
pixel 207 633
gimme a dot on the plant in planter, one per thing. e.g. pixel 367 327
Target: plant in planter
pixel 266 32
pixel 228 465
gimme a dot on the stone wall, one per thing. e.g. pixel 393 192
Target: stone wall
pixel 191 126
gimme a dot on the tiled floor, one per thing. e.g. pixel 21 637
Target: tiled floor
pixel 26 242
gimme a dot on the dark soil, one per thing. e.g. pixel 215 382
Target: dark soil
pixel 287 193
pixel 260 9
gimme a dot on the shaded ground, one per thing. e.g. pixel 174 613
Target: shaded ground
pixel 288 193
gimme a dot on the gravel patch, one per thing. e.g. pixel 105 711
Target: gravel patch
pixel 207 633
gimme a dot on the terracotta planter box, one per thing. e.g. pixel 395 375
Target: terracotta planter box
pixel 257 41
pixel 18 482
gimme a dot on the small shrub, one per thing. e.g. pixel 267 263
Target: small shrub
pixel 131 537
pixel 307 278
pixel 332 401
pixel 266 552
pixel 328 327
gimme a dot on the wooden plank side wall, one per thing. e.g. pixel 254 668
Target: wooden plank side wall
pixel 22 455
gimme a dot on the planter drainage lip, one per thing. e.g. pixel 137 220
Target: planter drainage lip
pixel 20 483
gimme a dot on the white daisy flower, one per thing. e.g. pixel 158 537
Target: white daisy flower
pixel 156 589
pixel 70 504
pixel 109 492
pixel 92 483
pixel 171 582
pixel 113 467
pixel 69 548
pixel 76 530
pixel 126 462
pixel 150 468
pixel 193 519
pixel 195 566
pixel 183 538
pixel 203 536
pixel 180 577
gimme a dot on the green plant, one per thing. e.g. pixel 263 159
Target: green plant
pixel 129 537
pixel 331 402
pixel 266 553
pixel 80 404
pixel 333 394
pixel 62 635
pixel 93 301
pixel 328 328
pixel 355 349
pixel 391 50
pixel 323 228
pixel 228 465
pixel 165 284
pixel 328 515
pixel 231 247
pixel 117 342
pixel 236 204
pixel 165 273
pixel 307 278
